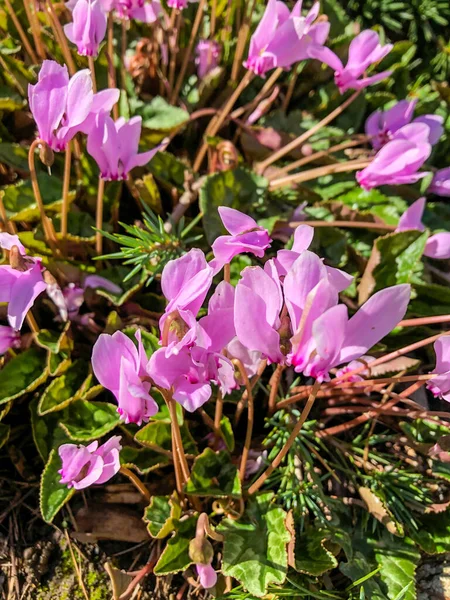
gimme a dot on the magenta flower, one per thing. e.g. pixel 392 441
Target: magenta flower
pixel 9 338
pixel 62 107
pixel 185 282
pixel 147 12
pixel 120 367
pixel 22 285
pixel 88 27
pixel 258 303
pixel 438 245
pixel 207 57
pixel 283 38
pixel 439 386
pixel 383 126
pixel 440 184
pixel 364 50
pixel 83 466
pixel 246 236
pixel 114 146
pixel 396 163
pixel 206 575
pixel 179 4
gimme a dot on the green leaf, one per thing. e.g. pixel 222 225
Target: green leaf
pixel 161 515
pixel 168 169
pixel 142 460
pixel 20 202
pixel 237 188
pixel 117 275
pixel 157 434
pixel 4 433
pixel 22 374
pixel 213 474
pixel 357 569
pixel 398 561
pixel 159 115
pixel 175 556
pixel 254 548
pixel 84 421
pixel 400 254
pixel 9 100
pixel 227 434
pixel 14 155
pixel 65 389
pixel 53 495
pixel 46 431
pixel 311 554
pixel 434 534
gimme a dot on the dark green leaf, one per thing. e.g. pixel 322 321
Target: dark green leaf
pixel 175 556
pixel 162 515
pixel 23 373
pixel 53 495
pixel 84 421
pixel 213 474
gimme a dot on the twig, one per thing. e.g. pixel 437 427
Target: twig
pixel 76 566
pixel 250 418
pixel 136 482
pixel 340 167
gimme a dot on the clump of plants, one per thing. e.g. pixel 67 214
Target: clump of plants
pixel 225 296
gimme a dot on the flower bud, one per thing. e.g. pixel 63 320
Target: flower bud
pixel 46 154
pixel 200 551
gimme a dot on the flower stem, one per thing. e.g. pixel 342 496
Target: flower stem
pixel 340 167
pixel 174 48
pixel 26 44
pixel 188 52
pixel 66 186
pixel 47 225
pixel 217 121
pixel 307 134
pixel 110 57
pixel 250 418
pixel 176 434
pixel 92 70
pixel 282 453
pixel 99 216
pixel 274 383
pixel 35 28
pixel 424 321
pixel 61 38
pixel 136 482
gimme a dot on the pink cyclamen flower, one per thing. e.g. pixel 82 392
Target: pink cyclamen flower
pixel 383 126
pixel 258 302
pixel 324 337
pixel 73 294
pixel 180 4
pixel 83 466
pixel 283 38
pixel 114 146
pixel 120 367
pixel 206 575
pixel 439 386
pixel 88 27
pixel 9 338
pixel 246 236
pixel 438 245
pixel 147 12
pixel 207 57
pixel 22 285
pixel 396 163
pixel 364 50
pixel 62 107
pixel 440 184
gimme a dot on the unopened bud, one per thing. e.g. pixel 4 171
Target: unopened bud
pixel 200 551
pixel 46 155
pixel 16 260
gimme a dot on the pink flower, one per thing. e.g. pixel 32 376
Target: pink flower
pixel 22 285
pixel 383 126
pixel 62 107
pixel 207 576
pixel 207 56
pixel 440 385
pixel 73 295
pixel 88 27
pixel 440 184
pixel 246 236
pixel 438 245
pixel 396 163
pixel 179 4
pixel 283 38
pixel 114 146
pixel 185 281
pixel 257 307
pixel 83 466
pixel 120 367
pixel 9 338
pixel 147 12
pixel 365 50
pixel 324 337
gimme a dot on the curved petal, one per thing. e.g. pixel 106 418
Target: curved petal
pixel 438 246
pixel 24 292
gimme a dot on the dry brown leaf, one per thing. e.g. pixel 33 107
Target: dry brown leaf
pixel 377 509
pixel 119 580
pixel 109 522
pixel 367 283
pixel 290 526
pixel 402 363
